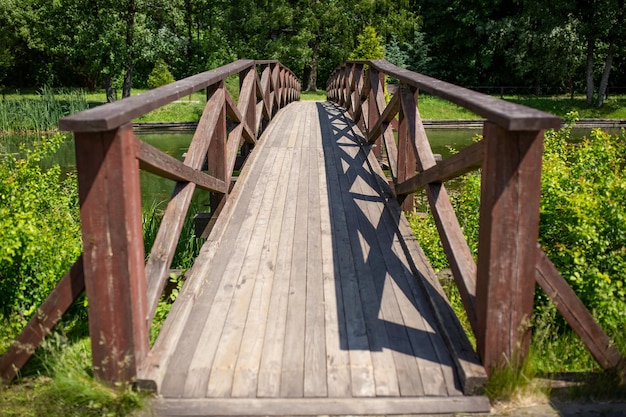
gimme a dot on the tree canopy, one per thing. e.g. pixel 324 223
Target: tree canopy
pixel 567 46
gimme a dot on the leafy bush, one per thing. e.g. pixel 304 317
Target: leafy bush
pixel 160 75
pixel 39 228
pixel 582 230
pixel 583 219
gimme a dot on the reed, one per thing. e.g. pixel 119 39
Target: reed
pixel 41 113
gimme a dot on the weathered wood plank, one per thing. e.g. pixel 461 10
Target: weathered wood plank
pixel 338 359
pixel 355 338
pixel 269 384
pixel 261 252
pixel 199 282
pixel 252 232
pixel 314 337
pixel 321 406
pixel 292 372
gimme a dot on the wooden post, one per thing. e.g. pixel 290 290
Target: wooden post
pixel 509 228
pixel 217 156
pixel 115 282
pixel 406 142
pixel 376 103
pixel 247 97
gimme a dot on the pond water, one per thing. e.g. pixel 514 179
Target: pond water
pixel 156 190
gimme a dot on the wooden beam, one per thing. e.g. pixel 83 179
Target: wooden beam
pixel 452 238
pixel 164 247
pixel 577 315
pixel 388 114
pixel 509 229
pixel 69 288
pixel 113 254
pixel 113 115
pixel 510 116
pixel 159 163
pixel 466 160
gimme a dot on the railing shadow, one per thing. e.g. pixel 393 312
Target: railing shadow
pixel 370 267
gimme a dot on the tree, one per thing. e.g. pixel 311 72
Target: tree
pixel 369 45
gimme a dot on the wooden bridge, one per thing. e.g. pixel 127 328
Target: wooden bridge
pixel 311 295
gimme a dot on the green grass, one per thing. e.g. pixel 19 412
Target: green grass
pixel 614 107
pixel 319 95
pixel 63 385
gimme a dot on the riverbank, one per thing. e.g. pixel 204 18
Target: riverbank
pixel 428 123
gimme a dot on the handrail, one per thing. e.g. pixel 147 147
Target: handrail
pixel 122 289
pixel 112 115
pixel 497 290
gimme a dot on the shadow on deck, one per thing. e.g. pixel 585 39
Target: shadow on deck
pixel 311 295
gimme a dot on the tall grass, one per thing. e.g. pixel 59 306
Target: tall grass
pixel 41 113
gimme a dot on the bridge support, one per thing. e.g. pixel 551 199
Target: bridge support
pixel 509 228
pixel 110 200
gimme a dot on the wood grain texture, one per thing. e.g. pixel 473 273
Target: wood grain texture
pixel 321 406
pixel 508 232
pixel 576 314
pixel 307 292
pixel 113 255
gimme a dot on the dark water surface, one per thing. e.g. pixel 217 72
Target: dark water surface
pixel 156 190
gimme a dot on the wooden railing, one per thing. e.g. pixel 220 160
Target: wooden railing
pixel 498 289
pixel 123 290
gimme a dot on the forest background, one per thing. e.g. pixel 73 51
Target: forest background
pixel 571 46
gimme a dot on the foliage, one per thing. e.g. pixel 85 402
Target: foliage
pixel 369 45
pixel 582 230
pixel 39 228
pixel 160 75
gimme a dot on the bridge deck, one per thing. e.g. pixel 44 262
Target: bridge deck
pixel 303 300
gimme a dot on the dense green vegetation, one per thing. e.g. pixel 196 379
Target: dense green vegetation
pixel 40 240
pixel 582 230
pixel 567 47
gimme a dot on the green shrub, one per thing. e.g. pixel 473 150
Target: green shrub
pixel 39 228
pixel 583 219
pixel 582 230
pixel 160 75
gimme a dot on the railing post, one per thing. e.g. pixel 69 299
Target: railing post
pixel 115 282
pixel 407 160
pixel 509 229
pixel 376 104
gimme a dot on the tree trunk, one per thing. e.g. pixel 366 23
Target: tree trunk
pixel 128 81
pixel 604 82
pixel 590 49
pixel 108 88
pixel 131 11
pixel 312 82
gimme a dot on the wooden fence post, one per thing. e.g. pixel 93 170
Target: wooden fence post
pixel 115 282
pixel 509 229
pixel 376 104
